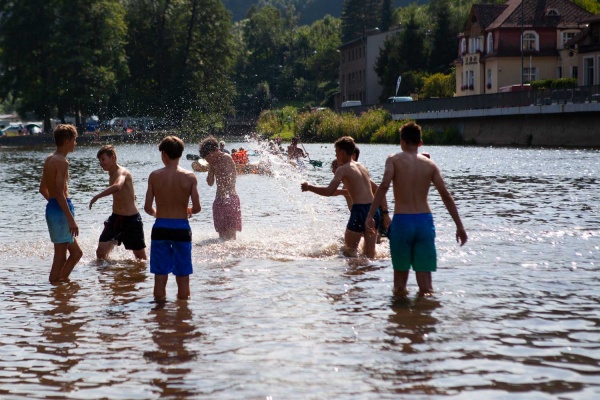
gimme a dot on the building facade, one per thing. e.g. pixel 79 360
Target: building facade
pixel 585 49
pixel 515 43
pixel 358 80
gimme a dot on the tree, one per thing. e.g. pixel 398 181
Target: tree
pixel 360 16
pixel 438 85
pixel 443 46
pixel 62 56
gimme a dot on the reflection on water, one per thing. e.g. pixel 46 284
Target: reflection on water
pixel 280 314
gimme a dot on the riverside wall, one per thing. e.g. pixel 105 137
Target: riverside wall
pixel 554 125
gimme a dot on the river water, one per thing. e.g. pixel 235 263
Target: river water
pixel 281 314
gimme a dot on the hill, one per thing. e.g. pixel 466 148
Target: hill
pixel 309 10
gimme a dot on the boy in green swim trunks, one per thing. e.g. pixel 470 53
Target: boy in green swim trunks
pixel 171 245
pixel 60 214
pixel 412 233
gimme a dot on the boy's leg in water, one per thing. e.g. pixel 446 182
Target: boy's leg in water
pixel 400 280
pixel 160 287
pixel 370 241
pixel 351 240
pixel 425 284
pixel 104 249
pixel 183 287
pixel 60 257
pixel 140 254
pixel 75 255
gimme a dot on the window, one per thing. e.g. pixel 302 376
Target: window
pixel 566 36
pixel 559 72
pixel 529 74
pixel 489 76
pixel 530 41
pixel 552 12
pixel 490 42
pixel 463 45
pixel 574 72
pixel 471 79
pixel 588 66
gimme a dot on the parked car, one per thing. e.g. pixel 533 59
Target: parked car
pixel 33 129
pixel 399 99
pixel 13 130
pixel 351 103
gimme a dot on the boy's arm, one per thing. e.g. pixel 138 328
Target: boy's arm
pixel 150 199
pixel 438 182
pixel 112 189
pixel 196 207
pixel 384 205
pixel 325 190
pixel 61 180
pixel 44 187
pixel 210 177
pixel 379 198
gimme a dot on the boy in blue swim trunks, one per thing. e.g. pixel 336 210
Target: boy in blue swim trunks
pixel 412 233
pixel 60 214
pixel 357 182
pixel 125 224
pixel 171 248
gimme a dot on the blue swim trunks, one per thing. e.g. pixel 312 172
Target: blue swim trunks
pixel 358 216
pixel 58 226
pixel 412 242
pixel 171 249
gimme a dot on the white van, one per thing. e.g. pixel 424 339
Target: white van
pixel 399 99
pixel 352 103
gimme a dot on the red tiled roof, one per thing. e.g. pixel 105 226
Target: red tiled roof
pixel 534 15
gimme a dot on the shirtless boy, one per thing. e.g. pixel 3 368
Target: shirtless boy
pixel 412 233
pixel 293 151
pixel 125 224
pixel 227 213
pixel 60 214
pixel 171 246
pixel 357 182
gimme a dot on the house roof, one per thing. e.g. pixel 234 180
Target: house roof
pixel 486 14
pixel 534 14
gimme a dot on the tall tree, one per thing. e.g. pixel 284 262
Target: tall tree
pixel 62 56
pixel 26 40
pixel 360 16
pixel 387 15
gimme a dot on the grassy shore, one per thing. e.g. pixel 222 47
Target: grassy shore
pixel 326 126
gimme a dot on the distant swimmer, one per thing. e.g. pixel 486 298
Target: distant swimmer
pixel 222 147
pixel 357 182
pixel 412 233
pixel 227 212
pixel 171 247
pixel 293 151
pixel 125 224
pixel 60 214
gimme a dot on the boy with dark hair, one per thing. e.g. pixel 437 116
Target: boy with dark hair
pixel 60 214
pixel 125 224
pixel 357 182
pixel 412 233
pixel 227 212
pixel 171 249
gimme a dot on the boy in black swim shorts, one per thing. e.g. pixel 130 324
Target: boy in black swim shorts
pixel 125 224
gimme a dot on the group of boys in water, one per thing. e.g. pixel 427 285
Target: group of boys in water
pixel 172 188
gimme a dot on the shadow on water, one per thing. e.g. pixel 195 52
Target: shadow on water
pixel 60 334
pixel 173 332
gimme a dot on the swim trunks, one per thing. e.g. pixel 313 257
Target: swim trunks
pixel 358 216
pixel 171 249
pixel 58 226
pixel 227 213
pixel 412 242
pixel 128 230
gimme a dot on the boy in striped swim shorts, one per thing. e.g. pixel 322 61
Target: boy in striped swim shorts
pixel 171 247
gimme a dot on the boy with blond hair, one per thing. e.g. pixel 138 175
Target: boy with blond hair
pixel 60 213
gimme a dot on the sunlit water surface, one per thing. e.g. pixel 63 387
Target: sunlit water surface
pixel 281 314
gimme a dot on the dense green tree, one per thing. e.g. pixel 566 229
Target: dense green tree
pixel 360 16
pixel 180 57
pixel 438 85
pixel 444 39
pixel 387 15
pixel 61 56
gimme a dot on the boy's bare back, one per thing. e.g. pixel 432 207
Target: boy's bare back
pixel 172 189
pixel 412 177
pixel 357 181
